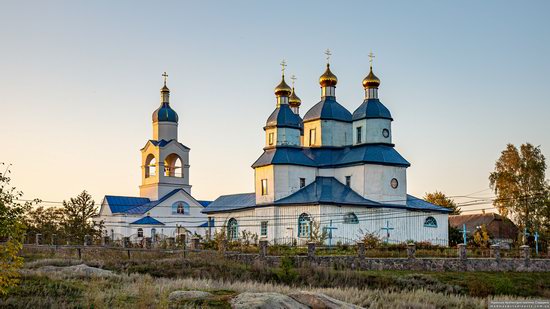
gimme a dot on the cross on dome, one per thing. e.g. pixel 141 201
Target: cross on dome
pixel 371 58
pixel 328 53
pixel 165 77
pixel 283 66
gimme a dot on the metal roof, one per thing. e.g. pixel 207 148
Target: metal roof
pixel 283 116
pixel 232 202
pixel 326 190
pixel 121 204
pixel 382 154
pixel 162 143
pixel 204 203
pixel 328 109
pixel 372 108
pixel 147 220
pixel 420 204
pixel 165 113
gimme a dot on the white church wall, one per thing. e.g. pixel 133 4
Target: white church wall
pixel 335 133
pixel 288 136
pixel 287 178
pixel 260 173
pixel 374 131
pixel 308 127
pixel 378 183
pixel 165 130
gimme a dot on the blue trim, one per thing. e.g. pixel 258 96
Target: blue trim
pixel 147 220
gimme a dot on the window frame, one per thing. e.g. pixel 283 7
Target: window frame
pixel 302 182
pixel 351 218
pixel 348 181
pixel 312 133
pixel 263 228
pixel 430 224
pixel 359 132
pixel 264 189
pixel 304 225
pixel 140 232
pixel 270 138
pixel 232 229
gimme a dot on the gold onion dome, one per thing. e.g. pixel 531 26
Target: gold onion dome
pixel 294 100
pixel 371 81
pixel 328 79
pixel 164 88
pixel 283 90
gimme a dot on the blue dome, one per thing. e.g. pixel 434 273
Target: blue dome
pixel 328 109
pixel 372 108
pixel 165 113
pixel 283 116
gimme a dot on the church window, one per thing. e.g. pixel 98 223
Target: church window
pixel 359 131
pixel 350 218
pixel 150 166
pixel 270 138
pixel 263 228
pixel 430 222
pixel 180 208
pixel 386 133
pixel 302 182
pixel 264 186
pixel 304 225
pixel 394 183
pixel 153 234
pixel 348 181
pixel 173 166
pixel 232 229
pixel 140 232
pixel 312 137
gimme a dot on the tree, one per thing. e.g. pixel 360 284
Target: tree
pixel 11 232
pixel 78 214
pixel 440 199
pixel 45 221
pixel 455 236
pixel 481 237
pixel 520 186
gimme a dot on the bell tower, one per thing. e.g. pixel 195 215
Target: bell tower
pixel 164 160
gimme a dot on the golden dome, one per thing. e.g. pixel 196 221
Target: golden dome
pixel 328 78
pixel 164 89
pixel 371 81
pixel 294 100
pixel 283 90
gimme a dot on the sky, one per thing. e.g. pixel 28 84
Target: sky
pixel 80 79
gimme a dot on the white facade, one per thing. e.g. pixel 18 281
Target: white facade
pixel 165 207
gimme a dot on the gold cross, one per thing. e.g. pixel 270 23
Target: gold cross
pixel 293 77
pixel 327 52
pixel 371 56
pixel 165 77
pixel 283 66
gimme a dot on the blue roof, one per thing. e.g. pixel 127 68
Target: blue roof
pixel 165 113
pixel 326 190
pixel 204 203
pixel 328 109
pixel 372 108
pixel 283 116
pixel 121 204
pixel 147 220
pixel 232 202
pixel 162 143
pixel 420 204
pixel 205 224
pixel 381 154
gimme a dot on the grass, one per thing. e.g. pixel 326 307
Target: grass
pixel 145 282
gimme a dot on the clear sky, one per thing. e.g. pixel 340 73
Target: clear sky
pixel 79 81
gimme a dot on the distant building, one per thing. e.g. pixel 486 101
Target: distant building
pixel 331 171
pixel 165 207
pixel 501 229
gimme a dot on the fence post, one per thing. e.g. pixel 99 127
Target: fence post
pixel 105 241
pixel 38 239
pixel 495 250
pixel 126 242
pixel 53 239
pixel 361 250
pixel 263 248
pixel 195 243
pixel 411 251
pixel 311 249
pixel 79 250
pixel 525 254
pixel 462 251
pixel 170 241
pixel 87 240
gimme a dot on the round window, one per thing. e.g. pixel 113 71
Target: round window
pixel 386 133
pixel 394 183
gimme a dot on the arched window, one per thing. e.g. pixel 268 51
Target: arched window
pixel 430 222
pixel 173 166
pixel 351 218
pixel 304 225
pixel 232 229
pixel 181 208
pixel 150 166
pixel 153 234
pixel 140 232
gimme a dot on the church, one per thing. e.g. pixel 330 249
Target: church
pixel 331 176
pixel 165 206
